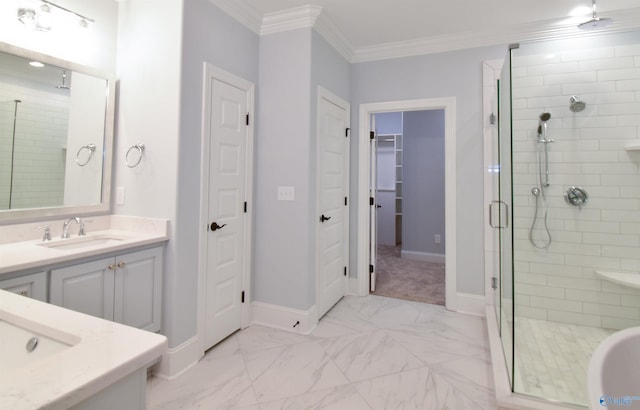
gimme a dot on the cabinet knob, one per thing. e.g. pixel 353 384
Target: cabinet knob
pixel 112 267
pixel 121 265
pixel 23 293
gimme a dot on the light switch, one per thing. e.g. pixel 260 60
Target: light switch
pixel 120 195
pixel 286 193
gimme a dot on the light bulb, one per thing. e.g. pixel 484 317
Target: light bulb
pixel 27 16
pixel 44 18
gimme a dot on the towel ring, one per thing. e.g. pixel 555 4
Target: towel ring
pixel 91 148
pixel 140 149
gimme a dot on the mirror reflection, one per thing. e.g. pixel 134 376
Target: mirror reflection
pixel 52 135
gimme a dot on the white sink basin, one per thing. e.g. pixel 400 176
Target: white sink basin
pixel 83 242
pixel 614 371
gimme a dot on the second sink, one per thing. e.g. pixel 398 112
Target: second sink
pixel 83 242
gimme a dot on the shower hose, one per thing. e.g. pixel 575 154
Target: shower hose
pixel 545 242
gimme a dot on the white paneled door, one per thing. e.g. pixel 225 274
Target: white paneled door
pixel 333 188
pixel 227 239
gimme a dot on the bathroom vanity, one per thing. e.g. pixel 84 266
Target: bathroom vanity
pixel 113 273
pixel 81 360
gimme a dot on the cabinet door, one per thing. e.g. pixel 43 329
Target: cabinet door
pixel 87 288
pixel 138 289
pixel 33 285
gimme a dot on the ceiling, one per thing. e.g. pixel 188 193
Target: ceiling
pixel 366 26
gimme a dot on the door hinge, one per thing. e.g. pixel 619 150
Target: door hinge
pixel 372 135
pixel 370 268
pixel 345 271
pixel 242 297
pixel 371 201
pixel 346 132
pixel 345 201
pixel 245 207
pixel 494 283
pixel 247 118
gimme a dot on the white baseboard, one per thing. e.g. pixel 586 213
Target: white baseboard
pixel 423 256
pixel 179 359
pixel 471 304
pixel 284 318
pixel 353 287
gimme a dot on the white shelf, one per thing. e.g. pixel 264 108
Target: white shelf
pixel 634 146
pixel 631 280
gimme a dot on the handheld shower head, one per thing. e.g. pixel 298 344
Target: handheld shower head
pixel 542 127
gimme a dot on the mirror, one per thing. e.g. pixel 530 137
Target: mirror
pixel 56 137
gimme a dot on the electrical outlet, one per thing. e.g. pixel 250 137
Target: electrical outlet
pixel 437 238
pixel 286 193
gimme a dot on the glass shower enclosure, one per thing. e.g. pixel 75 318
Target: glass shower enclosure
pixel 567 210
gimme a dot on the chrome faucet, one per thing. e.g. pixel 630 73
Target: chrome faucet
pixel 65 227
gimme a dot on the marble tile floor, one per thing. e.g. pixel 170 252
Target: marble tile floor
pixel 552 358
pixel 366 353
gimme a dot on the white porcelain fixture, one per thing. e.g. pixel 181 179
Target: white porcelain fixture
pixel 629 279
pixel 22 346
pixel 614 371
pixel 84 241
pixel 89 356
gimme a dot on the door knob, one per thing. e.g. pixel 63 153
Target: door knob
pixel 324 218
pixel 215 226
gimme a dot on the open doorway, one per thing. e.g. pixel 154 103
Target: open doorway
pixel 409 191
pixel 366 270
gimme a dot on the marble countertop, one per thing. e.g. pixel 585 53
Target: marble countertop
pixel 102 352
pixel 27 254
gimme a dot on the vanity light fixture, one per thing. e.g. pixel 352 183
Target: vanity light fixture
pixel 42 19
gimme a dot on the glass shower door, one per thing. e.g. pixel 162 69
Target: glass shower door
pixel 504 216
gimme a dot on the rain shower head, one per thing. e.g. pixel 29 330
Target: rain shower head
pixel 575 105
pixel 595 22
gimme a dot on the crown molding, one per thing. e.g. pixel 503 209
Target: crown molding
pixel 291 19
pixel 311 16
pixel 330 32
pixel 538 31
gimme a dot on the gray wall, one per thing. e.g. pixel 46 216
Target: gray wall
pixel 292 65
pixel 209 35
pixel 162 107
pixel 453 74
pixel 423 210
pixel 282 229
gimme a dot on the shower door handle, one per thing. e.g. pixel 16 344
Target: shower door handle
pixel 506 218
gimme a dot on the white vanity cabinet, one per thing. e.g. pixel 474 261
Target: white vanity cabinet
pixel 125 288
pixel 33 285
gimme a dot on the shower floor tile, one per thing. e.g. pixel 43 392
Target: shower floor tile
pixel 552 358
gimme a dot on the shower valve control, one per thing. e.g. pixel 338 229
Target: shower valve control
pixel 576 196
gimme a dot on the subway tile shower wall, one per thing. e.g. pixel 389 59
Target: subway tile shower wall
pixel 559 283
pixel 38 148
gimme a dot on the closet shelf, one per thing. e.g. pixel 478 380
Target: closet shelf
pixel 631 280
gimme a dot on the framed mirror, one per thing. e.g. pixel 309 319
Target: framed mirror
pixel 56 137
